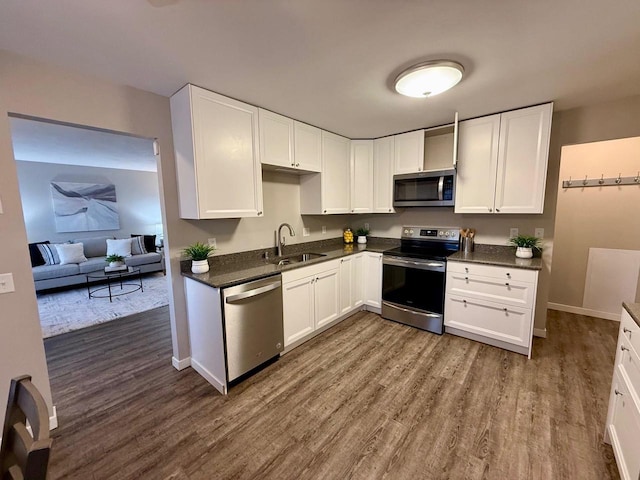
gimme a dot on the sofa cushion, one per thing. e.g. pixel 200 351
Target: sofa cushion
pixel 149 242
pixel 144 259
pixel 71 253
pixel 94 246
pixel 93 265
pixel 45 272
pixel 35 254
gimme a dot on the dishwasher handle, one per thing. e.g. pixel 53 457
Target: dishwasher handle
pixel 253 293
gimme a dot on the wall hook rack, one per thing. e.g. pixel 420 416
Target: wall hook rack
pixel 602 181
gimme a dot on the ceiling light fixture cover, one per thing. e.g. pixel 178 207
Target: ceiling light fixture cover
pixel 429 78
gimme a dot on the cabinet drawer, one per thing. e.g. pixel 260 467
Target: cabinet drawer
pixel 507 324
pixel 630 329
pixel 315 269
pixel 624 429
pixel 509 292
pixel 503 273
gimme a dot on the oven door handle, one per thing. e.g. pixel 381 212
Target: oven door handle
pixel 413 312
pixel 420 265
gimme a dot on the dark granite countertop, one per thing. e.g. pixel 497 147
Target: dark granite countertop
pixel 634 311
pixel 233 269
pixel 498 255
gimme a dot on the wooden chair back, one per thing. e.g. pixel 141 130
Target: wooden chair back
pixel 25 455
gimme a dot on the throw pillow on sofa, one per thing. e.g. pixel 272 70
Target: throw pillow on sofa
pixel 137 246
pixel 35 255
pixel 121 246
pixel 71 253
pixel 149 242
pixel 49 253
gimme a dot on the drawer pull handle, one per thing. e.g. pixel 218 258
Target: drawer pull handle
pixel 509 275
pixel 507 284
pixel 626 330
pixel 464 301
pixel 505 309
pixel 623 348
pixel 618 392
pixel 466 278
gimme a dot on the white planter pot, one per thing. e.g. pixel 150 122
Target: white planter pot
pixel 362 239
pixel 199 266
pixel 116 264
pixel 524 252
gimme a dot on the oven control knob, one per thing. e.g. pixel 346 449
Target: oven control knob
pixel 440 233
pixel 406 231
pixel 446 234
pixel 411 232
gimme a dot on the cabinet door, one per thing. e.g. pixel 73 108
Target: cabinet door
pixel 361 176
pixel 383 175
pixel 346 284
pixel 327 295
pixel 358 280
pixel 308 147
pixel 624 429
pixel 409 152
pixel 477 164
pixel 227 163
pixel 298 309
pixel 522 160
pixel 335 173
pixel 373 279
pixel 276 139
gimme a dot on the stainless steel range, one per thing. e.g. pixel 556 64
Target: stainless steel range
pixel 413 284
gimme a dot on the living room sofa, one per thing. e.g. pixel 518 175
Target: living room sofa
pixel 95 250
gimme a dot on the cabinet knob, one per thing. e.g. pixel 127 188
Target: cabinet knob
pixel 353 209
pixel 490 209
pixel 464 301
pixel 389 210
pixel 505 309
pixel 419 169
pixel 618 392
pixel 297 164
pixel 498 210
pixel 466 269
pixel 507 284
pixel 324 211
pixel 626 330
pixel 259 213
pixel 508 275
pixel 342 260
pixel 466 279
pixel 624 349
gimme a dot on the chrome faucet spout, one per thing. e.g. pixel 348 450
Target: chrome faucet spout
pixel 280 242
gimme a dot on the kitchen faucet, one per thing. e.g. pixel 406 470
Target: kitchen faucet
pixel 281 242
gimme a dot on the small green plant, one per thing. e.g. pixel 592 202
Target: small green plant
pixel 527 241
pixel 362 232
pixel 114 258
pixel 198 251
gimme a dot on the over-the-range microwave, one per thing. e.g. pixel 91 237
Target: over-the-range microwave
pixel 425 189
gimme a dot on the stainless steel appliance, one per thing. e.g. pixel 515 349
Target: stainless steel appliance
pixel 425 189
pixel 252 324
pixel 413 276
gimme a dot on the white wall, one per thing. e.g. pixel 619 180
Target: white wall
pixel 137 195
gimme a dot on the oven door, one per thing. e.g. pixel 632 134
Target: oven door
pixel 413 292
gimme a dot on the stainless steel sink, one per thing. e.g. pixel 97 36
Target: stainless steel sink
pixel 296 258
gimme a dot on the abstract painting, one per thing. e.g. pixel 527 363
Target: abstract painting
pixel 83 207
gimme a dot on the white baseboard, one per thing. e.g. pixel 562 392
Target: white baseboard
pixel 53 419
pixel 180 364
pixel 584 311
pixel 540 332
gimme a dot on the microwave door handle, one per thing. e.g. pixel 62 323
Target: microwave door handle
pixel 441 188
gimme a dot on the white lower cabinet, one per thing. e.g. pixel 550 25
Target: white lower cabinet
pixel 623 419
pixel 310 299
pixel 490 304
pixel 373 279
pixel 351 282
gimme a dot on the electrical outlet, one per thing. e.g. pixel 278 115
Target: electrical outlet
pixel 306 232
pixel 513 232
pixel 324 229
pixel 366 226
pixel 539 232
pixel 212 242
pixel 6 283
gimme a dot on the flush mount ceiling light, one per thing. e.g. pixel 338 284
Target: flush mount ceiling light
pixel 429 78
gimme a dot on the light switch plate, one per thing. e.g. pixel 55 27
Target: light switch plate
pixel 6 283
pixel 306 231
pixel 324 229
pixel 513 232
pixel 212 242
pixel 539 232
pixel 366 226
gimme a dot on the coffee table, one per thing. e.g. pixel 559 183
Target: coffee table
pixel 130 278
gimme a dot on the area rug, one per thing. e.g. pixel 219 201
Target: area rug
pixel 68 310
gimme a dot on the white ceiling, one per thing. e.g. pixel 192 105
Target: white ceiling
pixel 332 62
pixel 35 141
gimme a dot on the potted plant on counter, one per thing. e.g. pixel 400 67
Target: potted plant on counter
pixel 362 233
pixel 199 253
pixel 525 245
pixel 115 260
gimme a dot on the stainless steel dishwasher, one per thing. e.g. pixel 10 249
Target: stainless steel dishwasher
pixel 253 324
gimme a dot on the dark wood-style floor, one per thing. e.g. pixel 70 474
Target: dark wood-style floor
pixel 367 399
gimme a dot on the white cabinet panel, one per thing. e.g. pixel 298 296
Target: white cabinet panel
pixel 383 151
pixel 624 428
pixel 346 284
pixel 298 309
pixel 308 147
pixel 491 289
pixel 373 279
pixel 409 152
pixel 276 139
pixel 217 155
pixel 361 176
pixel 358 278
pixel 327 295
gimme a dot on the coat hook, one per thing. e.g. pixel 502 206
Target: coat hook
pixel 637 179
pixel 570 182
pixel 585 181
pixel 601 181
pixel 619 179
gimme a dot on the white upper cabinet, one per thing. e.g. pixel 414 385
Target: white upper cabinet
pixel 328 192
pixel 217 155
pixel 502 162
pixel 361 176
pixel 383 149
pixel 276 139
pixel 409 152
pixel 308 147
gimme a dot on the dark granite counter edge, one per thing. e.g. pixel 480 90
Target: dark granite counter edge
pixel 497 255
pixel 634 311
